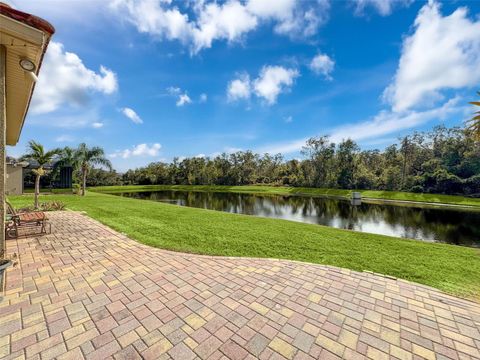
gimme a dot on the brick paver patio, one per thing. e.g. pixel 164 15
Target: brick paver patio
pixel 86 291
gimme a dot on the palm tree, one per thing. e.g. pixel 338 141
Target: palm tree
pixel 473 125
pixel 87 157
pixel 37 153
pixel 68 157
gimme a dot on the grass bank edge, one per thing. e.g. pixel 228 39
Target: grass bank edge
pixel 453 269
pixel 282 190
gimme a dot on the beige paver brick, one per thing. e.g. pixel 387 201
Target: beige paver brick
pixel 348 338
pixel 400 353
pixel 423 352
pixel 330 345
pixel 259 308
pixel 195 321
pixel 282 347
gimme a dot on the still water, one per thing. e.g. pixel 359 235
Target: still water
pixel 452 225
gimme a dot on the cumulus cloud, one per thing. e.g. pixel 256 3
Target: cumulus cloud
pixel 183 99
pixel 442 53
pixel 140 150
pixel 64 79
pixel 322 64
pixel 239 88
pixel 230 21
pixel 181 96
pixel 304 19
pixel 203 98
pixel 383 7
pixel 132 115
pixel 272 81
pixel 150 16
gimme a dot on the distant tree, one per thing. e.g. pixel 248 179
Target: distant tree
pixel 36 153
pixel 474 122
pixel 88 157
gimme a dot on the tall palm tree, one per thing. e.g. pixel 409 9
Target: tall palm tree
pixel 37 153
pixel 473 125
pixel 86 158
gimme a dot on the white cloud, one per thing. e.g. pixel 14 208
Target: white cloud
pixel 288 119
pixel 64 138
pixel 322 64
pixel 183 99
pixel 442 53
pixel 212 21
pixel 182 96
pixel 386 122
pixel 132 115
pixel 68 119
pixel 174 90
pixel 140 150
pixel 150 16
pixel 272 81
pixel 203 98
pixel 239 88
pixel 273 9
pixel 64 79
pixel 229 21
pixel 97 125
pixel 305 19
pixel 383 7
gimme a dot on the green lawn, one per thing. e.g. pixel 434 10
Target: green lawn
pixel 453 269
pixel 281 190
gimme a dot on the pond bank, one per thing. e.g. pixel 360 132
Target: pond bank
pixel 391 196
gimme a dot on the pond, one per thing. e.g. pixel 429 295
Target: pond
pixel 450 225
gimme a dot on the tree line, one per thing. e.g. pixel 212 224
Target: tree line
pixel 444 160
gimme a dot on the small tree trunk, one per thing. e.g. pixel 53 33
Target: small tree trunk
pixel 84 181
pixel 37 190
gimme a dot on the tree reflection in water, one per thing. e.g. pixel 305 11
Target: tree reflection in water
pixel 455 226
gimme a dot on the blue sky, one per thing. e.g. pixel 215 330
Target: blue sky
pixel 149 80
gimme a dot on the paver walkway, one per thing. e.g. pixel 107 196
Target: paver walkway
pixel 86 291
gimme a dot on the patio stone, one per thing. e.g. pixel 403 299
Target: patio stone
pixel 87 292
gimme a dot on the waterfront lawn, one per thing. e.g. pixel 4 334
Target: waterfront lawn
pixel 453 269
pixel 282 190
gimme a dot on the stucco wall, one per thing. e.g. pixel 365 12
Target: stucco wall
pixel 14 184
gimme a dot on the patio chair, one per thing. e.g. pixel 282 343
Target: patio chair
pixel 23 221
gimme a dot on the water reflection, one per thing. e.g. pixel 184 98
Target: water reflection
pixel 453 226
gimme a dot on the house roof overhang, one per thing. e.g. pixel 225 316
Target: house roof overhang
pixel 24 36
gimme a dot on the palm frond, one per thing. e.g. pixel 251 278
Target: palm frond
pixel 473 124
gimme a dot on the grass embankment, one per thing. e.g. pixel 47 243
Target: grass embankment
pixel 282 190
pixel 453 269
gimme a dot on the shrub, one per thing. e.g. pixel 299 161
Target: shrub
pixel 76 189
pixel 53 205
pixel 417 189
